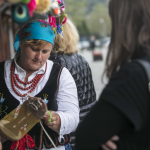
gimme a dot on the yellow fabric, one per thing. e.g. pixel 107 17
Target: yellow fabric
pixel 18 123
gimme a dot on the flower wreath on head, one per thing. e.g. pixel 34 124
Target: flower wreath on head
pixel 57 16
pixel 23 10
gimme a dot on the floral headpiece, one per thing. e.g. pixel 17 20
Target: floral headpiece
pixel 22 10
pixel 57 15
pixel 36 29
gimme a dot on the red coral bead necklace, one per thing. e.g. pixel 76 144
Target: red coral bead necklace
pixel 14 83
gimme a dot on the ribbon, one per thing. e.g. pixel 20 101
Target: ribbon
pixel 21 144
pixel 52 21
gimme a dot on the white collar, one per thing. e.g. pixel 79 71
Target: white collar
pixel 18 69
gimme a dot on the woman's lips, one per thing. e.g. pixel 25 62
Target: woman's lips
pixel 36 62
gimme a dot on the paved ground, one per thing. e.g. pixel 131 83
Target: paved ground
pixel 97 68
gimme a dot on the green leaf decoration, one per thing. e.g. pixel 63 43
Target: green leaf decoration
pixel 63 15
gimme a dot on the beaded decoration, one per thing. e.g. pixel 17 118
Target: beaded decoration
pixel 45 98
pixel 14 127
pixel 1 101
pixel 15 79
pixel 57 16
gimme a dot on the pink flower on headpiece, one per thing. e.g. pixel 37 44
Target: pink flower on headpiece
pixel 64 21
pixel 59 1
pixel 43 23
pixel 52 21
pixel 32 6
pixel 24 34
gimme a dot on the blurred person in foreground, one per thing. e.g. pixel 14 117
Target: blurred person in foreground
pixel 65 52
pixel 30 72
pixel 124 105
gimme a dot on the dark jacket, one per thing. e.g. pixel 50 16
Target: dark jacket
pixel 123 109
pixel 81 72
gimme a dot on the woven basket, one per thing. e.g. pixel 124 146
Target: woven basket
pixel 22 119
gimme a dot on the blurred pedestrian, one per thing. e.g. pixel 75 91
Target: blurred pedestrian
pixel 92 42
pixel 124 105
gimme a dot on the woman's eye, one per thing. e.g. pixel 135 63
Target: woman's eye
pixel 34 49
pixel 45 52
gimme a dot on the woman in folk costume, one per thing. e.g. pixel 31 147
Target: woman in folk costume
pixel 31 72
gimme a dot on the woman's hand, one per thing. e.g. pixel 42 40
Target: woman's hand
pixel 110 145
pixel 55 123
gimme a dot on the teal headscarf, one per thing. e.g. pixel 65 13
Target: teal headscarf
pixel 36 29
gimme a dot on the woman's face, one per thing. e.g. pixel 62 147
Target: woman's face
pixel 32 59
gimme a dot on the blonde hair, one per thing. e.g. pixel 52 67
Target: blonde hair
pixel 33 43
pixel 67 43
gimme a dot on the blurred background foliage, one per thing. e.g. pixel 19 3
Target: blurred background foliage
pixel 91 17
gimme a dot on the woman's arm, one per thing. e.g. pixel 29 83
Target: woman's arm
pixel 68 105
pixel 66 119
pixel 99 125
pixel 123 103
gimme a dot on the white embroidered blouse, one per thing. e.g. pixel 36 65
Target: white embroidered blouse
pixel 67 99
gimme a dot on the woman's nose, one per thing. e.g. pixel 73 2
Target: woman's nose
pixel 38 55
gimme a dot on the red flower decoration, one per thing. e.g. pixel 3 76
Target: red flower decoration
pixel 20 145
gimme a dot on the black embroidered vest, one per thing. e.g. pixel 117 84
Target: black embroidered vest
pixel 50 92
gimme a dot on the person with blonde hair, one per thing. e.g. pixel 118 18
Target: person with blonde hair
pixel 124 105
pixel 67 41
pixel 65 52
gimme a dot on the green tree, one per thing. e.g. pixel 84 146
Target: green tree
pixel 98 21
pixel 86 15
